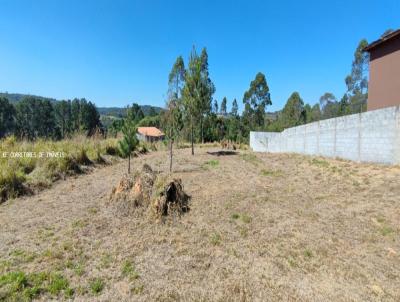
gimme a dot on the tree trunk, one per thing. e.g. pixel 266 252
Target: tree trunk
pixel 129 164
pixel 170 155
pixel 192 138
pixel 202 135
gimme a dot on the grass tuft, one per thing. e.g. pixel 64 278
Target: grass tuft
pixel 96 286
pixel 211 163
pixel 386 230
pixel 320 162
pixel 235 216
pixel 215 239
pixel 128 270
pixel 250 157
pixel 273 173
pixel 20 286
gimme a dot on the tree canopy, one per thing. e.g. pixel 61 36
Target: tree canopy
pixel 257 98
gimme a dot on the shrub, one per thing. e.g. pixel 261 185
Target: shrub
pixel 41 172
pixel 11 183
pixel 143 149
pixel 96 286
pixel 82 158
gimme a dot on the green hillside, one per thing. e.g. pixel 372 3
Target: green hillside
pixel 117 112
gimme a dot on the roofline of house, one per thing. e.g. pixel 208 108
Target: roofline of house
pixel 382 40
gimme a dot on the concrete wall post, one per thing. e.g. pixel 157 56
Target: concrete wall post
pixel 334 139
pixel 318 139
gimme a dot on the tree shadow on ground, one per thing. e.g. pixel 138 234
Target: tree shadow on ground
pixel 222 153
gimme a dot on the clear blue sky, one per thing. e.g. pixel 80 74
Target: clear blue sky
pixel 116 52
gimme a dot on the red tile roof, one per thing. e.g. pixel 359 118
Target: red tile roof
pixel 150 131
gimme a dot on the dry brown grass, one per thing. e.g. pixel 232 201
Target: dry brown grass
pixel 261 227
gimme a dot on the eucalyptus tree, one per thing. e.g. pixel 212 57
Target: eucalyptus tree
pixel 173 116
pixel 235 109
pixel 357 80
pixel 192 92
pixel 215 107
pixel 223 106
pixel 207 89
pixel 257 98
pixel 176 79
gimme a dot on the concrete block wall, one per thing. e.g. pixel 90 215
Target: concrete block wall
pixel 259 140
pixel 372 136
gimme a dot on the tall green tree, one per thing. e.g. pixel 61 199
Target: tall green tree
pixel 62 111
pixel 173 118
pixel 193 92
pixel 223 106
pixel 7 117
pixel 258 98
pixel 307 113
pixel 315 113
pixel 207 89
pixel 91 118
pixel 357 80
pixel 176 79
pixel 293 114
pixel 215 107
pixel 173 122
pixel 247 123
pixel 329 106
pixel 129 141
pixel 45 120
pixel 135 113
pixel 344 106
pixel 76 115
pixel 235 108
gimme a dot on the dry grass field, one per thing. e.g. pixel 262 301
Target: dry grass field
pixel 261 227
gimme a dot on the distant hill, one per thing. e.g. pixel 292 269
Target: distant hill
pixel 120 112
pixel 16 97
pixel 117 112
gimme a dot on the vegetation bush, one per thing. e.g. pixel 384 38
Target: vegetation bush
pixel 82 157
pixel 11 182
pixel 52 160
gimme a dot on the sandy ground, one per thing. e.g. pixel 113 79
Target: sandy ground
pixel 262 227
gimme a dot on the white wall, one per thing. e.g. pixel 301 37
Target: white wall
pixel 372 136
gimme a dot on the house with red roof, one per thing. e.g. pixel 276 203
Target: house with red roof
pixel 149 134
